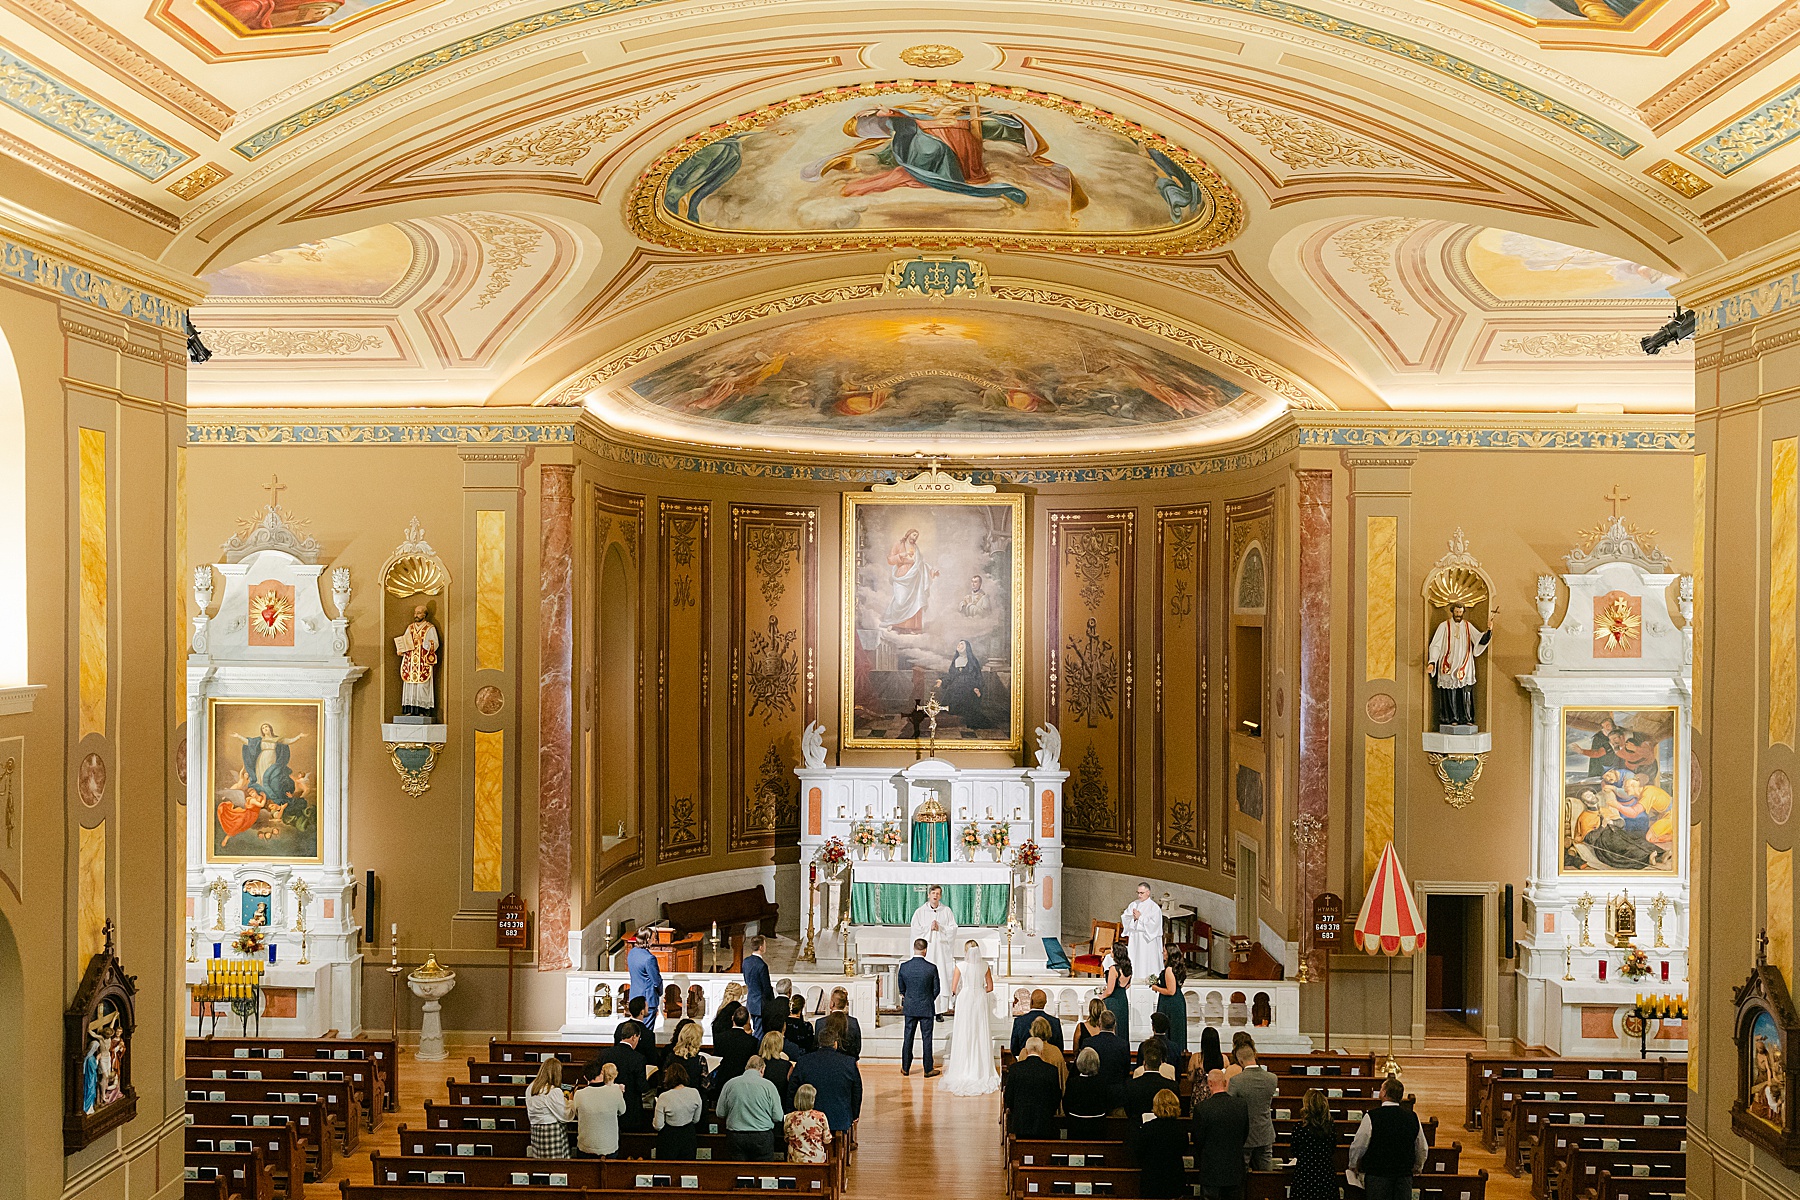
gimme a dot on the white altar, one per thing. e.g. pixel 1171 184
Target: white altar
pixel 1611 789
pixel 1027 801
pixel 268 775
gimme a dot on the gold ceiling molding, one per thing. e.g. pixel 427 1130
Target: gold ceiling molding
pixel 931 56
pixel 1303 143
pixel 198 180
pixel 93 185
pixel 565 142
pixel 1564 344
pixel 1768 39
pixel 1222 217
pixel 1677 178
pixel 505 245
pixel 290 343
pixel 1368 249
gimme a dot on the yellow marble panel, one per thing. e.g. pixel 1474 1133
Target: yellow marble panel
pixel 1699 578
pixel 90 894
pixel 490 810
pixel 1696 1046
pixel 91 654
pixel 1380 597
pixel 490 590
pixel 1378 800
pixel 1779 885
pixel 1784 529
pixel 183 576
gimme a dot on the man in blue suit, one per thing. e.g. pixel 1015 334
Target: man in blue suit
pixel 646 983
pixel 759 992
pixel 919 986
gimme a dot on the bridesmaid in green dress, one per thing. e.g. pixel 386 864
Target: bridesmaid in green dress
pixel 1118 978
pixel 1173 1004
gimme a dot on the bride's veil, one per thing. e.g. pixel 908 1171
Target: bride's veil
pixel 974 968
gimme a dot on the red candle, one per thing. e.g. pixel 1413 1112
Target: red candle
pixel 1603 970
pixel 1665 970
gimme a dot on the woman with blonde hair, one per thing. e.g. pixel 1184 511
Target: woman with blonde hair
pixel 1315 1145
pixel 686 1051
pixel 547 1109
pixel 1162 1148
pixel 806 1130
pixel 1040 1029
pixel 776 1064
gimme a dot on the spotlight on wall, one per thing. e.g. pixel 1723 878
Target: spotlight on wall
pixel 1680 326
pixel 197 351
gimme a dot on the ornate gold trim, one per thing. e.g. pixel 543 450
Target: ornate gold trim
pixel 1220 222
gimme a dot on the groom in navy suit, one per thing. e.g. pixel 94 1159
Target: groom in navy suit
pixel 919 987
pixel 758 994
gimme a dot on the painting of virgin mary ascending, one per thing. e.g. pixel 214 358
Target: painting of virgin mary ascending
pixel 264 767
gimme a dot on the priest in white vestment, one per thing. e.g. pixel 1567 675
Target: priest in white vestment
pixel 1455 645
pixel 1142 925
pixel 937 925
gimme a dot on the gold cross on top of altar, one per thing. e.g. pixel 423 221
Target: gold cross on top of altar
pixel 1615 498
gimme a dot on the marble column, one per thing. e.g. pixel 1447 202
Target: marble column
pixel 556 711
pixel 1314 798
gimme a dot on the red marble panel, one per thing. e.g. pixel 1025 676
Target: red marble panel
pixel 556 709
pixel 1314 798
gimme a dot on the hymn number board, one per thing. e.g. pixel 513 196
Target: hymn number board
pixel 511 926
pixel 1328 919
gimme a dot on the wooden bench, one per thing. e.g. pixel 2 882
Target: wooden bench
pixel 1478 1068
pixel 719 1175
pixel 1580 1172
pixel 342 1103
pixel 1326 1063
pixel 381 1080
pixel 1025 1181
pixel 1529 1117
pixel 464 1117
pixel 1503 1093
pixel 368 1098
pixel 1639 1187
pixel 247 1173
pixel 310 1122
pixel 216 1188
pixel 486 1092
pixel 1273 1185
pixel 1293 1087
pixel 1556 1141
pixel 734 911
pixel 1440 1160
pixel 506 1072
pixel 447 1191
pixel 494 1143
pixel 486 1172
pixel 1116 1129
pixel 534 1052
pixel 282 1148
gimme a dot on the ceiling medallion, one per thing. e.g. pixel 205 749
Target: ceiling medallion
pixel 934 165
pixel 931 56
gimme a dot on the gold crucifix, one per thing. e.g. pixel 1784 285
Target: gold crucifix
pixel 274 487
pixel 931 708
pixel 1615 498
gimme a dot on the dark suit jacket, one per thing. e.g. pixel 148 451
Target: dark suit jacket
pixel 1140 1095
pixel 1022 1030
pixel 1221 1126
pixel 1032 1098
pixel 632 1074
pixel 734 1050
pixel 919 987
pixel 838 1082
pixel 756 984
pixel 852 1043
pixel 1161 1146
pixel 1115 1062
pixel 798 1037
pixel 721 1022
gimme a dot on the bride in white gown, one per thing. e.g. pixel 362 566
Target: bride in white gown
pixel 972 1071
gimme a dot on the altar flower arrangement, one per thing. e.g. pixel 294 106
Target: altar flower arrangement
pixel 1636 964
pixel 971 839
pixel 1027 855
pixel 834 853
pixel 999 837
pixel 250 941
pixel 890 837
pixel 862 836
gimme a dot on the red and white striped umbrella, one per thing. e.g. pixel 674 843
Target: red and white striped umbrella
pixel 1388 922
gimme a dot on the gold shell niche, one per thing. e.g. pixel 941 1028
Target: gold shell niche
pixel 416 573
pixel 931 56
pixel 1457 585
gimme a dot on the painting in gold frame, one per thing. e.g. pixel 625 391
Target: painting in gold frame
pixel 933 597
pixel 266 789
pixel 1621 791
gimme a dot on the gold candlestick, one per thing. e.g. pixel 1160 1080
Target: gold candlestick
pixel 1659 904
pixel 807 954
pixel 1583 907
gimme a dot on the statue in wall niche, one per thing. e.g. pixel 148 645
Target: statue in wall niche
pixel 1455 645
pixel 418 651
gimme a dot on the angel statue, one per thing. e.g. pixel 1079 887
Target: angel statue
pixel 812 745
pixel 1049 751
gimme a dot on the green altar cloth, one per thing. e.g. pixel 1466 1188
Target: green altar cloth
pixel 930 842
pixel 895 903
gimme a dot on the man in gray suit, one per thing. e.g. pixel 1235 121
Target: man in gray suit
pixel 919 986
pixel 1256 1086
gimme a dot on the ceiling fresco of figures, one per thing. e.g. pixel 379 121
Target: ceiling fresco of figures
pixel 1517 266
pixel 361 264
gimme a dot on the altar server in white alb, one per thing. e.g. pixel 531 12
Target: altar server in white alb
pixel 1142 923
pixel 1455 645
pixel 937 925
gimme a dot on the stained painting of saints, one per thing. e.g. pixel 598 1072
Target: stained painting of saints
pixel 932 591
pixel 264 766
pixel 1619 808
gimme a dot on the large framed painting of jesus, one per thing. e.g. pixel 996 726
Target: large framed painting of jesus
pixel 933 608
pixel 266 788
pixel 1620 790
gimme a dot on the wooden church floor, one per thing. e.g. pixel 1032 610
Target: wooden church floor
pixel 927 1141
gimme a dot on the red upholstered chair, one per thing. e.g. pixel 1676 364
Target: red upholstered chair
pixel 1105 934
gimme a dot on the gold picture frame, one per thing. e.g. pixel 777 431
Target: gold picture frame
pixel 265 800
pixel 1649 822
pixel 944 630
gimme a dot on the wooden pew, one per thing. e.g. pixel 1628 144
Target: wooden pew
pixel 1353 1065
pixel 1115 1129
pixel 1580 1172
pixel 1273 1185
pixel 342 1103
pixel 1478 1068
pixel 507 1072
pixel 381 1080
pixel 446 1191
pixel 1026 1181
pixel 486 1093
pixel 1529 1117
pixel 1639 1187
pixel 1503 1093
pixel 216 1188
pixel 1295 1086
pixel 247 1173
pixel 462 1117
pixel 485 1172
pixel 308 1118
pixel 368 1098
pixel 1439 1160
pixel 609 1174
pixel 1556 1141
pixel 282 1148
pixel 494 1143
pixel 577 1051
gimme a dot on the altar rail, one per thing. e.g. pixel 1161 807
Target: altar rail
pixel 580 989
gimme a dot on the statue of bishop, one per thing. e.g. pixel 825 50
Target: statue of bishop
pixel 418 651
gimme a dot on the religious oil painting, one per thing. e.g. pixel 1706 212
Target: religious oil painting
pixel 939 370
pixel 1516 267
pixel 875 163
pixel 261 16
pixel 1619 792
pixel 367 264
pixel 1597 12
pixel 264 758
pixel 933 597
pixel 1768 1073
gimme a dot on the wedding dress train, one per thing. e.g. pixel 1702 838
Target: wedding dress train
pixel 972 1071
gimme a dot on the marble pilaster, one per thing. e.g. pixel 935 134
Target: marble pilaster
pixel 1314 793
pixel 556 709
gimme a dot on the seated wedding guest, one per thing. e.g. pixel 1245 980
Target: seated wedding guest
pixel 750 1109
pixel 1388 1149
pixel 1257 1086
pixel 1052 1054
pixel 1087 1100
pixel 796 1032
pixel 685 1049
pixel 1315 1145
pixel 777 1066
pixel 1032 1094
pixel 633 1072
pixel 677 1116
pixel 1162 1147
pixel 734 1048
pixel 598 1107
pixel 1221 1127
pixel 836 1081
pixel 805 1130
pixel 849 1038
pixel 1150 1078
pixel 1022 1024
pixel 1090 1025
pixel 547 1110
pixel 1115 1057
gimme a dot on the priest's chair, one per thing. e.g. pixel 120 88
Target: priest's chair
pixel 1105 934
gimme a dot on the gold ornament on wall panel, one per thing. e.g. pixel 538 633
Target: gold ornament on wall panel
pixel 931 56
pixel 1180 758
pixel 1091 608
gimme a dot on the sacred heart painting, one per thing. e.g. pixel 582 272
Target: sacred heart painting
pixel 1619 792
pixel 263 763
pixel 933 598
pixel 894 163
